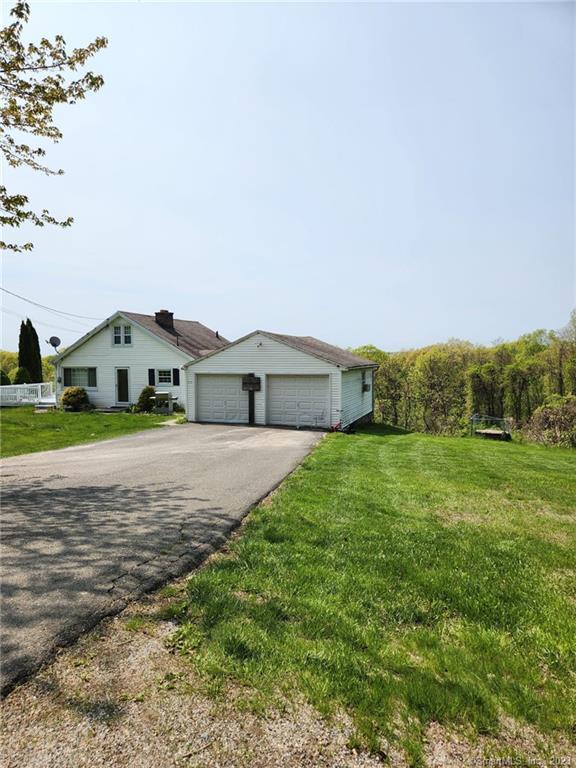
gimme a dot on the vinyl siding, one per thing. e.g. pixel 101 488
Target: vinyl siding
pixel 355 403
pixel 263 356
pixel 145 352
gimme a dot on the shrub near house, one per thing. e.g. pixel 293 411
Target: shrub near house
pixel 146 400
pixel 75 399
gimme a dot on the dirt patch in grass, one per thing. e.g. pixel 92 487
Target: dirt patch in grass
pixel 122 698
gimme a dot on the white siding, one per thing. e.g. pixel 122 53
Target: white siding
pixel 262 356
pixel 355 403
pixel 145 352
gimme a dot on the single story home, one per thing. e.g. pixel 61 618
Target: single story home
pixel 128 351
pixel 271 378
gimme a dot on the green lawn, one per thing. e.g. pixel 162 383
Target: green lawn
pixel 404 579
pixel 23 431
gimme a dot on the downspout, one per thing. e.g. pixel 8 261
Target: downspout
pixel 373 393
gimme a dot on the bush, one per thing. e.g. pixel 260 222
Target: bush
pixel 146 402
pixel 177 408
pixel 4 378
pixel 75 399
pixel 21 376
pixel 554 423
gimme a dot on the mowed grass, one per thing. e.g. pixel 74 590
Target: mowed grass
pixel 403 579
pixel 23 431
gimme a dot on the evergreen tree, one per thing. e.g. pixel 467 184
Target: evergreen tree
pixel 4 378
pixel 35 362
pixel 23 346
pixel 29 356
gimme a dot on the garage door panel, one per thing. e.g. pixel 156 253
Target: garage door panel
pixel 221 399
pixel 299 401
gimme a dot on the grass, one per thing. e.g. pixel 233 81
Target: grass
pixel 404 579
pixel 23 431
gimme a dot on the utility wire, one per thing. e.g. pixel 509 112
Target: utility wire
pixel 37 322
pixel 50 309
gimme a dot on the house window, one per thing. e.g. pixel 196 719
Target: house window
pixel 165 376
pixel 122 334
pixel 80 377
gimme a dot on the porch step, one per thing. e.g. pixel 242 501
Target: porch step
pixel 111 409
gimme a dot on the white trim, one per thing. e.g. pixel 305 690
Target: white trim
pixel 164 383
pixel 122 326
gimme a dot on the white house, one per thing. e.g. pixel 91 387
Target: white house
pixel 269 378
pixel 128 351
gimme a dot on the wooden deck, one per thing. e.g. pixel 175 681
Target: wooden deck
pixel 493 433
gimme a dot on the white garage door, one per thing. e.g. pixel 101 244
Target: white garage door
pixel 220 398
pixel 299 401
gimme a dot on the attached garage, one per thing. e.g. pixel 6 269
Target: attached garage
pixel 271 378
pixel 299 401
pixel 220 398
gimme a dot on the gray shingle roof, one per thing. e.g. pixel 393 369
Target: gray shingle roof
pixel 328 352
pixel 189 335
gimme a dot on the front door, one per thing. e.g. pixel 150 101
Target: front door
pixel 122 388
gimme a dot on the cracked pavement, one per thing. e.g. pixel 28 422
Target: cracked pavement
pixel 87 529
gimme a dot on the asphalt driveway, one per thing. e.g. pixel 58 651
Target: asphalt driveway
pixel 89 528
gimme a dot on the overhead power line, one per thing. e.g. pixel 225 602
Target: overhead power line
pixel 40 323
pixel 50 309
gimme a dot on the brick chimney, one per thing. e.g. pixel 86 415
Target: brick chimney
pixel 165 319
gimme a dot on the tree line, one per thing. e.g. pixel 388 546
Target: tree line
pixel 438 388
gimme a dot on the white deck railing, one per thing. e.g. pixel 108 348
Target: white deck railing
pixel 27 394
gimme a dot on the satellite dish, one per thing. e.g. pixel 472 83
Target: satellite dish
pixel 55 342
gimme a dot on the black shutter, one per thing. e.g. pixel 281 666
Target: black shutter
pixel 91 377
pixel 67 377
pixel 176 377
pixel 151 377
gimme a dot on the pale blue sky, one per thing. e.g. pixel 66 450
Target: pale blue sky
pixel 394 174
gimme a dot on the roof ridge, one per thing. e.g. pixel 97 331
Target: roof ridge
pixel 314 346
pixel 153 316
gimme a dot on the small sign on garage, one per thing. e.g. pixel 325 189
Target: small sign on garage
pixel 251 383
